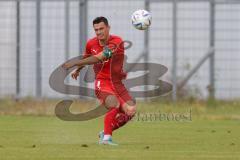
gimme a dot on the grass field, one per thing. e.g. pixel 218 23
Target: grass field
pixel 212 133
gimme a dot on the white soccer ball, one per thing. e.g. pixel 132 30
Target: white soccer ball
pixel 141 19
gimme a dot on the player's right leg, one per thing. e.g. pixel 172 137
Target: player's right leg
pixel 112 104
pixel 121 107
pixel 106 96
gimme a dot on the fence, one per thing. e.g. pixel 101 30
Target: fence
pixel 198 40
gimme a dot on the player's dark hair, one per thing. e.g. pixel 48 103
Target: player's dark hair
pixel 99 20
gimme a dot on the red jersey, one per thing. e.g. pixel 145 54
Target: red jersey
pixel 112 68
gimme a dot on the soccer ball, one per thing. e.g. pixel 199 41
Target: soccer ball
pixel 141 19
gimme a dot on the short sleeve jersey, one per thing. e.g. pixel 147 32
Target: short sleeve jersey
pixel 111 68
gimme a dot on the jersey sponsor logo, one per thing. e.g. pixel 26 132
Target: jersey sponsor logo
pixel 94 51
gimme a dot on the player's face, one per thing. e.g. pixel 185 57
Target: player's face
pixel 101 30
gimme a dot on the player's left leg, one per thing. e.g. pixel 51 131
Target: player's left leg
pixel 127 106
pixel 124 116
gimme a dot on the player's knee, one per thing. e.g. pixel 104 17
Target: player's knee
pixel 111 101
pixel 131 110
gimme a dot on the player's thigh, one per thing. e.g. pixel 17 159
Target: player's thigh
pixel 124 97
pixel 108 99
pixel 105 93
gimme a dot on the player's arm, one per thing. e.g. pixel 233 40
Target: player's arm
pixel 101 56
pixel 90 60
pixel 105 54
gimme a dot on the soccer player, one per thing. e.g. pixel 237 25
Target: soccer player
pixel 106 53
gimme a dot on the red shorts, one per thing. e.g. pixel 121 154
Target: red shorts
pixel 104 88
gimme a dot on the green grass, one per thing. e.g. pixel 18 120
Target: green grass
pixel 213 133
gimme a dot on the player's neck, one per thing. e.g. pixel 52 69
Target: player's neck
pixel 104 41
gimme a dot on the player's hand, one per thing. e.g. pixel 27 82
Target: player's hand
pixel 75 74
pixel 68 65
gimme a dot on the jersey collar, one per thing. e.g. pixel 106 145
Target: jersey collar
pixel 109 38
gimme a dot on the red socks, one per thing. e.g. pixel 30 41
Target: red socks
pixel 120 120
pixel 108 121
pixel 114 119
